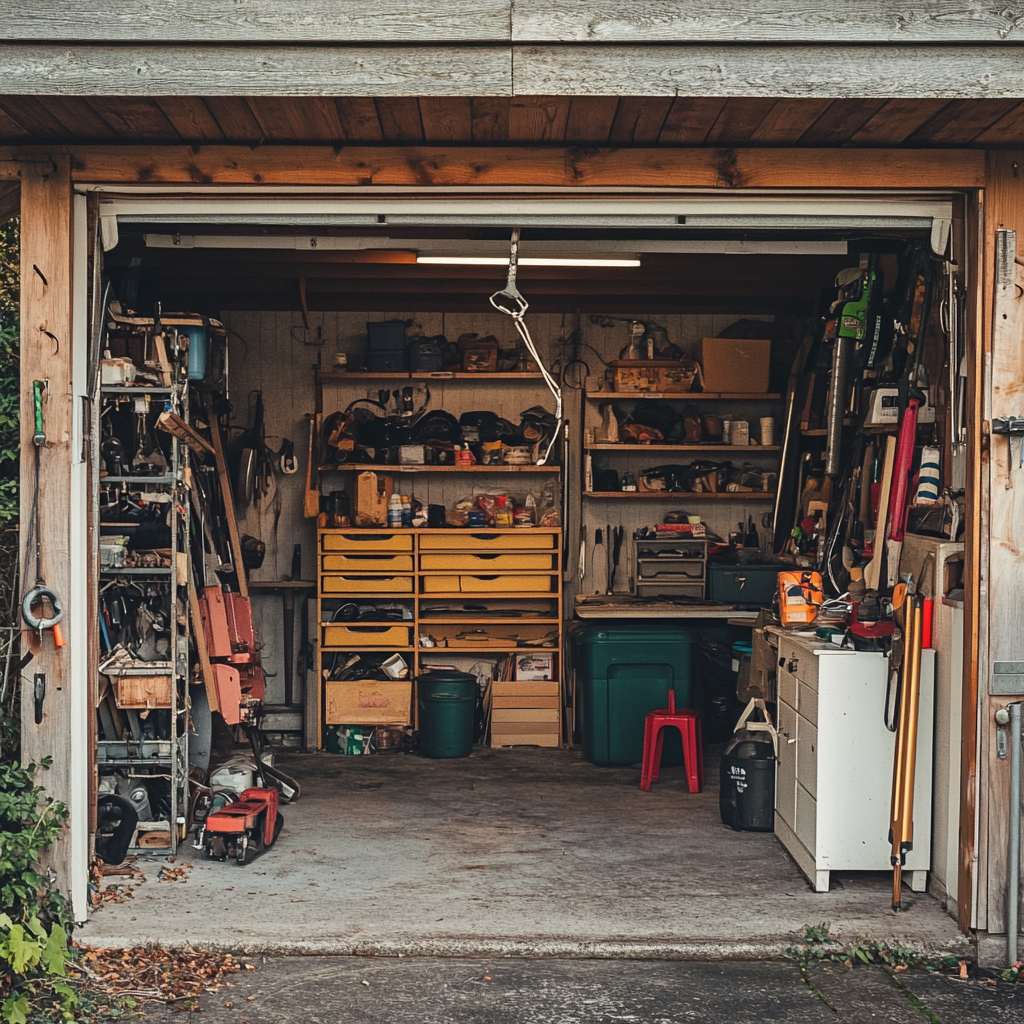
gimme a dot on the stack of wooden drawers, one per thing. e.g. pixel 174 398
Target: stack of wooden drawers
pixel 455 584
pixel 359 565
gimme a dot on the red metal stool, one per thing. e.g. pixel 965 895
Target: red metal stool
pixel 688 725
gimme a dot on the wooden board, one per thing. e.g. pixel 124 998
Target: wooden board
pixel 657 22
pixel 517 165
pixel 259 21
pixel 46 354
pixel 764 70
pixel 368 702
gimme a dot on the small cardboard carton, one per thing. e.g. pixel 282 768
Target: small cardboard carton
pixel 736 365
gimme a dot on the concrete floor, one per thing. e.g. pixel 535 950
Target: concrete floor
pixel 335 990
pixel 506 853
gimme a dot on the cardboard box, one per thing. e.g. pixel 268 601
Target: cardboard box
pixel 535 666
pixel 368 702
pixel 372 494
pixel 737 365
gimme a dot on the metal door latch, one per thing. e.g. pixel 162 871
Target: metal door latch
pixel 1011 427
pixel 39 695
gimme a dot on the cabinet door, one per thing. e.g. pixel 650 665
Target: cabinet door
pixel 785 778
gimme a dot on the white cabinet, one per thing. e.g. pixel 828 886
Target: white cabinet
pixel 834 773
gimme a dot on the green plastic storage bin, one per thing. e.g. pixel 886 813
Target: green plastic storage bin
pixel 625 670
pixel 447 701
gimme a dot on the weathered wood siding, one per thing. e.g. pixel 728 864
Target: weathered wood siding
pixel 940 48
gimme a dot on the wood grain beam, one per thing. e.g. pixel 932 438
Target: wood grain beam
pixel 554 166
pixel 791 70
pixel 46 297
pixel 747 21
pixel 257 21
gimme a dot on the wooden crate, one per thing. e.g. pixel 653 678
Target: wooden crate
pixel 368 702
pixel 142 691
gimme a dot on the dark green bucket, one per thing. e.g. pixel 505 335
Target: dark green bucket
pixel 447 702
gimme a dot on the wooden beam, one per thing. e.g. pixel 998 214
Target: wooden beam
pixel 257 21
pixel 212 69
pixel 837 72
pixel 747 21
pixel 516 165
pixel 997 560
pixel 46 299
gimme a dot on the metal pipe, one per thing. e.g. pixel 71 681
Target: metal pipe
pixel 1013 893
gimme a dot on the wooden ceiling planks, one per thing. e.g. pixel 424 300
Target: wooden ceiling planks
pixel 895 122
pixel 960 122
pixel 1008 130
pixel 446 118
pixel 400 119
pixel 191 118
pixel 690 120
pixel 839 120
pixel 359 119
pixel 489 116
pixel 638 121
pixel 738 120
pixel 579 120
pixel 787 121
pixel 590 119
pixel 235 118
pixel 134 117
pixel 538 118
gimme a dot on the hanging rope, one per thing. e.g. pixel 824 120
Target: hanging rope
pixel 511 302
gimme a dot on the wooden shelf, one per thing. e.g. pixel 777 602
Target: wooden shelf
pixel 681 495
pixel 754 449
pixel 469 620
pixel 354 467
pixel 441 376
pixel 451 595
pixel 687 396
pixel 360 649
pixel 488 650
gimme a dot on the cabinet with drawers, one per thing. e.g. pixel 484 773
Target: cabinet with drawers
pixel 445 592
pixel 834 772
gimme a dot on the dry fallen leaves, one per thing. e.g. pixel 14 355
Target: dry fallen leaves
pixel 155 973
pixel 103 892
pixel 176 874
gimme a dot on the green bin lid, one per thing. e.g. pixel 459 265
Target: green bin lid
pixel 742 647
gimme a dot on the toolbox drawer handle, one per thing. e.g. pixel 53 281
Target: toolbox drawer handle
pixel 488 555
pixel 485 536
pixel 357 579
pixel 488 578
pixel 368 629
pixel 782 662
pixel 792 666
pixel 367 536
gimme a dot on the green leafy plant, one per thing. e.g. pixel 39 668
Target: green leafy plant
pixel 34 924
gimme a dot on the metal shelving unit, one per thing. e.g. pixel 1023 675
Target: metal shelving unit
pixel 164 756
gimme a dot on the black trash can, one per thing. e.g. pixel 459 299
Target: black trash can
pixel 746 795
pixel 715 688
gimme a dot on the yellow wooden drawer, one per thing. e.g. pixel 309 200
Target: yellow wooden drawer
pixel 506 583
pixel 366 561
pixel 366 542
pixel 521 716
pixel 513 540
pixel 526 688
pixel 339 634
pixel 368 702
pixel 488 562
pixel 525 702
pixel 346 585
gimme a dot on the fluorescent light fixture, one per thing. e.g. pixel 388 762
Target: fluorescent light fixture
pixel 532 261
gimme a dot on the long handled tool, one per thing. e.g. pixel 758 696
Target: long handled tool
pixel 40 597
pixel 907 709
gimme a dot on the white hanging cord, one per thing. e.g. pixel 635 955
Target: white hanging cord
pixel 510 301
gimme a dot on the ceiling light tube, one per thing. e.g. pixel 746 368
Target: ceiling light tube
pixel 533 261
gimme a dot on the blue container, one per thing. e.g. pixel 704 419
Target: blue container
pixel 198 351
